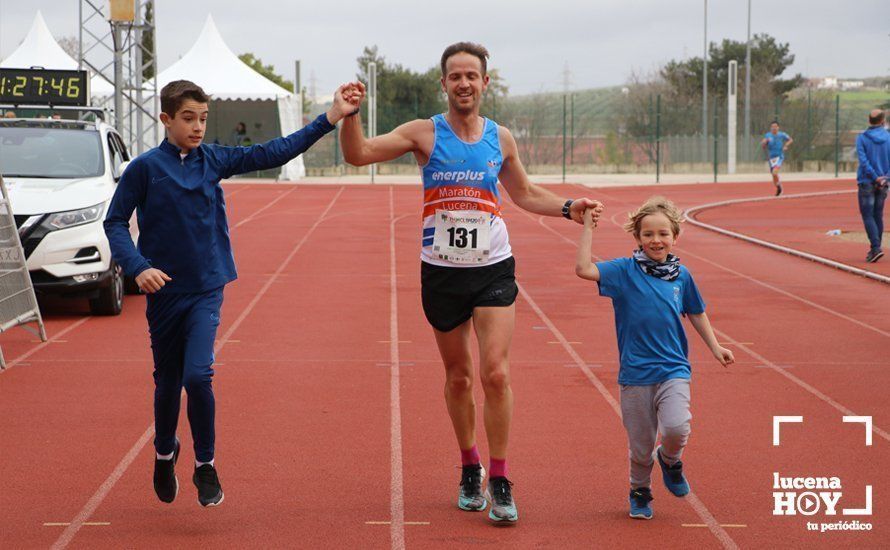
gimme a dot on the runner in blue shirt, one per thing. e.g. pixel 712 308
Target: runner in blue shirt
pixel 775 143
pixel 650 293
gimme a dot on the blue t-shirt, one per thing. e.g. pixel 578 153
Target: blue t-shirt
pixel 776 143
pixel 651 340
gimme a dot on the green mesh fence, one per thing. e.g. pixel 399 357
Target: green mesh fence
pixel 612 131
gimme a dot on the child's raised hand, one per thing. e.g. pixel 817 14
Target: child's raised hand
pixel 580 206
pixel 724 355
pixel 587 217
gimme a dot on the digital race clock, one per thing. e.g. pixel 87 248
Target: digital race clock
pixel 44 87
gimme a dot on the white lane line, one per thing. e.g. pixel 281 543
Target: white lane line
pixel 396 488
pixel 689 216
pixel 690 498
pixel 766 362
pixel 18 360
pixel 68 535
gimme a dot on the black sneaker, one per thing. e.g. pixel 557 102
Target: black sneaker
pixel 209 490
pixel 470 496
pixel 503 509
pixel 874 255
pixel 778 189
pixel 165 482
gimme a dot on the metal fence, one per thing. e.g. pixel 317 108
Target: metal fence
pixel 610 131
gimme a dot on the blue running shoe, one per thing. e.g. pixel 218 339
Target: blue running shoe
pixel 673 476
pixel 503 509
pixel 639 503
pixel 470 496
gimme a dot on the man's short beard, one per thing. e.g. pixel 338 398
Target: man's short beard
pixel 455 105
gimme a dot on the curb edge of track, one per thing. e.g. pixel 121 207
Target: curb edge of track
pixel 689 213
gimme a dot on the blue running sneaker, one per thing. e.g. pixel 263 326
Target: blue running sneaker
pixel 673 476
pixel 639 503
pixel 503 509
pixel 470 495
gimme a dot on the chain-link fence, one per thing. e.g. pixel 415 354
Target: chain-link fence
pixel 616 131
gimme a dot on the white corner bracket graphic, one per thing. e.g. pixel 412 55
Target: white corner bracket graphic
pixel 779 420
pixel 861 511
pixel 862 420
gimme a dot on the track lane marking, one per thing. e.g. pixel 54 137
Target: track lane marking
pixel 93 503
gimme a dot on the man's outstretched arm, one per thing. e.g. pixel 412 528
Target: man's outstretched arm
pixel 359 150
pixel 536 198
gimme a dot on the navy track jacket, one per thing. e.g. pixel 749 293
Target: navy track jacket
pixel 181 211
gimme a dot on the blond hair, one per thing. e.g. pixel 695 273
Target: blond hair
pixel 654 205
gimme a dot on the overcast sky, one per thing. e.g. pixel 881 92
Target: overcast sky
pixel 531 42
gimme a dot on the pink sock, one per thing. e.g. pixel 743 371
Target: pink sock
pixel 469 457
pixel 498 467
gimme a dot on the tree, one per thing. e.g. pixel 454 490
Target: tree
pixel 148 43
pixel 267 71
pixel 769 59
pixel 402 94
pixel 70 45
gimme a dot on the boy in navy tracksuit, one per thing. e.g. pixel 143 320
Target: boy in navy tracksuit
pixel 184 259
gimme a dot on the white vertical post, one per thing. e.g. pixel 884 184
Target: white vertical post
pixel 137 55
pixel 747 131
pixel 372 108
pixel 298 92
pixel 731 107
pixel 704 91
pixel 118 77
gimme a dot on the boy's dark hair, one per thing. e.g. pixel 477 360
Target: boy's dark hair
pixel 876 118
pixel 466 47
pixel 174 93
pixel 776 122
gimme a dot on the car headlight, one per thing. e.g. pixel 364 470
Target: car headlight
pixel 71 218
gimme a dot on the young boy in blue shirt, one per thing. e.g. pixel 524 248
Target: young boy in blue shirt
pixel 184 260
pixel 650 292
pixel 775 143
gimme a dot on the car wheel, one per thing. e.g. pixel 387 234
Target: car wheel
pixel 111 298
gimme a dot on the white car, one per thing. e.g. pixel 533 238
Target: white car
pixel 61 175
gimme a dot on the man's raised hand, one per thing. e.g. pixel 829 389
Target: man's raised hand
pixel 347 100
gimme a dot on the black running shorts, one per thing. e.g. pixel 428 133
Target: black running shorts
pixel 449 294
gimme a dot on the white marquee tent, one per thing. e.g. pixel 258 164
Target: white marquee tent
pixel 238 93
pixel 40 49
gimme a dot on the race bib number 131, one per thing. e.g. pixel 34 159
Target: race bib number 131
pixel 462 237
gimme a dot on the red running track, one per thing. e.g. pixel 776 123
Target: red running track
pixel 315 450
pixel 803 223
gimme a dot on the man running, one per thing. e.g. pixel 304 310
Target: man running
pixel 776 143
pixel 467 268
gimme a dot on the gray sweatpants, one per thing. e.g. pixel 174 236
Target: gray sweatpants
pixel 647 411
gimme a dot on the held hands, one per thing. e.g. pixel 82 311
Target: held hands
pixel 587 217
pixel 347 100
pixel 723 355
pixel 152 280
pixel 582 206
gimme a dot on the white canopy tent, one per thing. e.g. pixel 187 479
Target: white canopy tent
pixel 238 92
pixel 40 49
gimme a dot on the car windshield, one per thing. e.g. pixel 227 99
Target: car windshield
pixel 36 152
